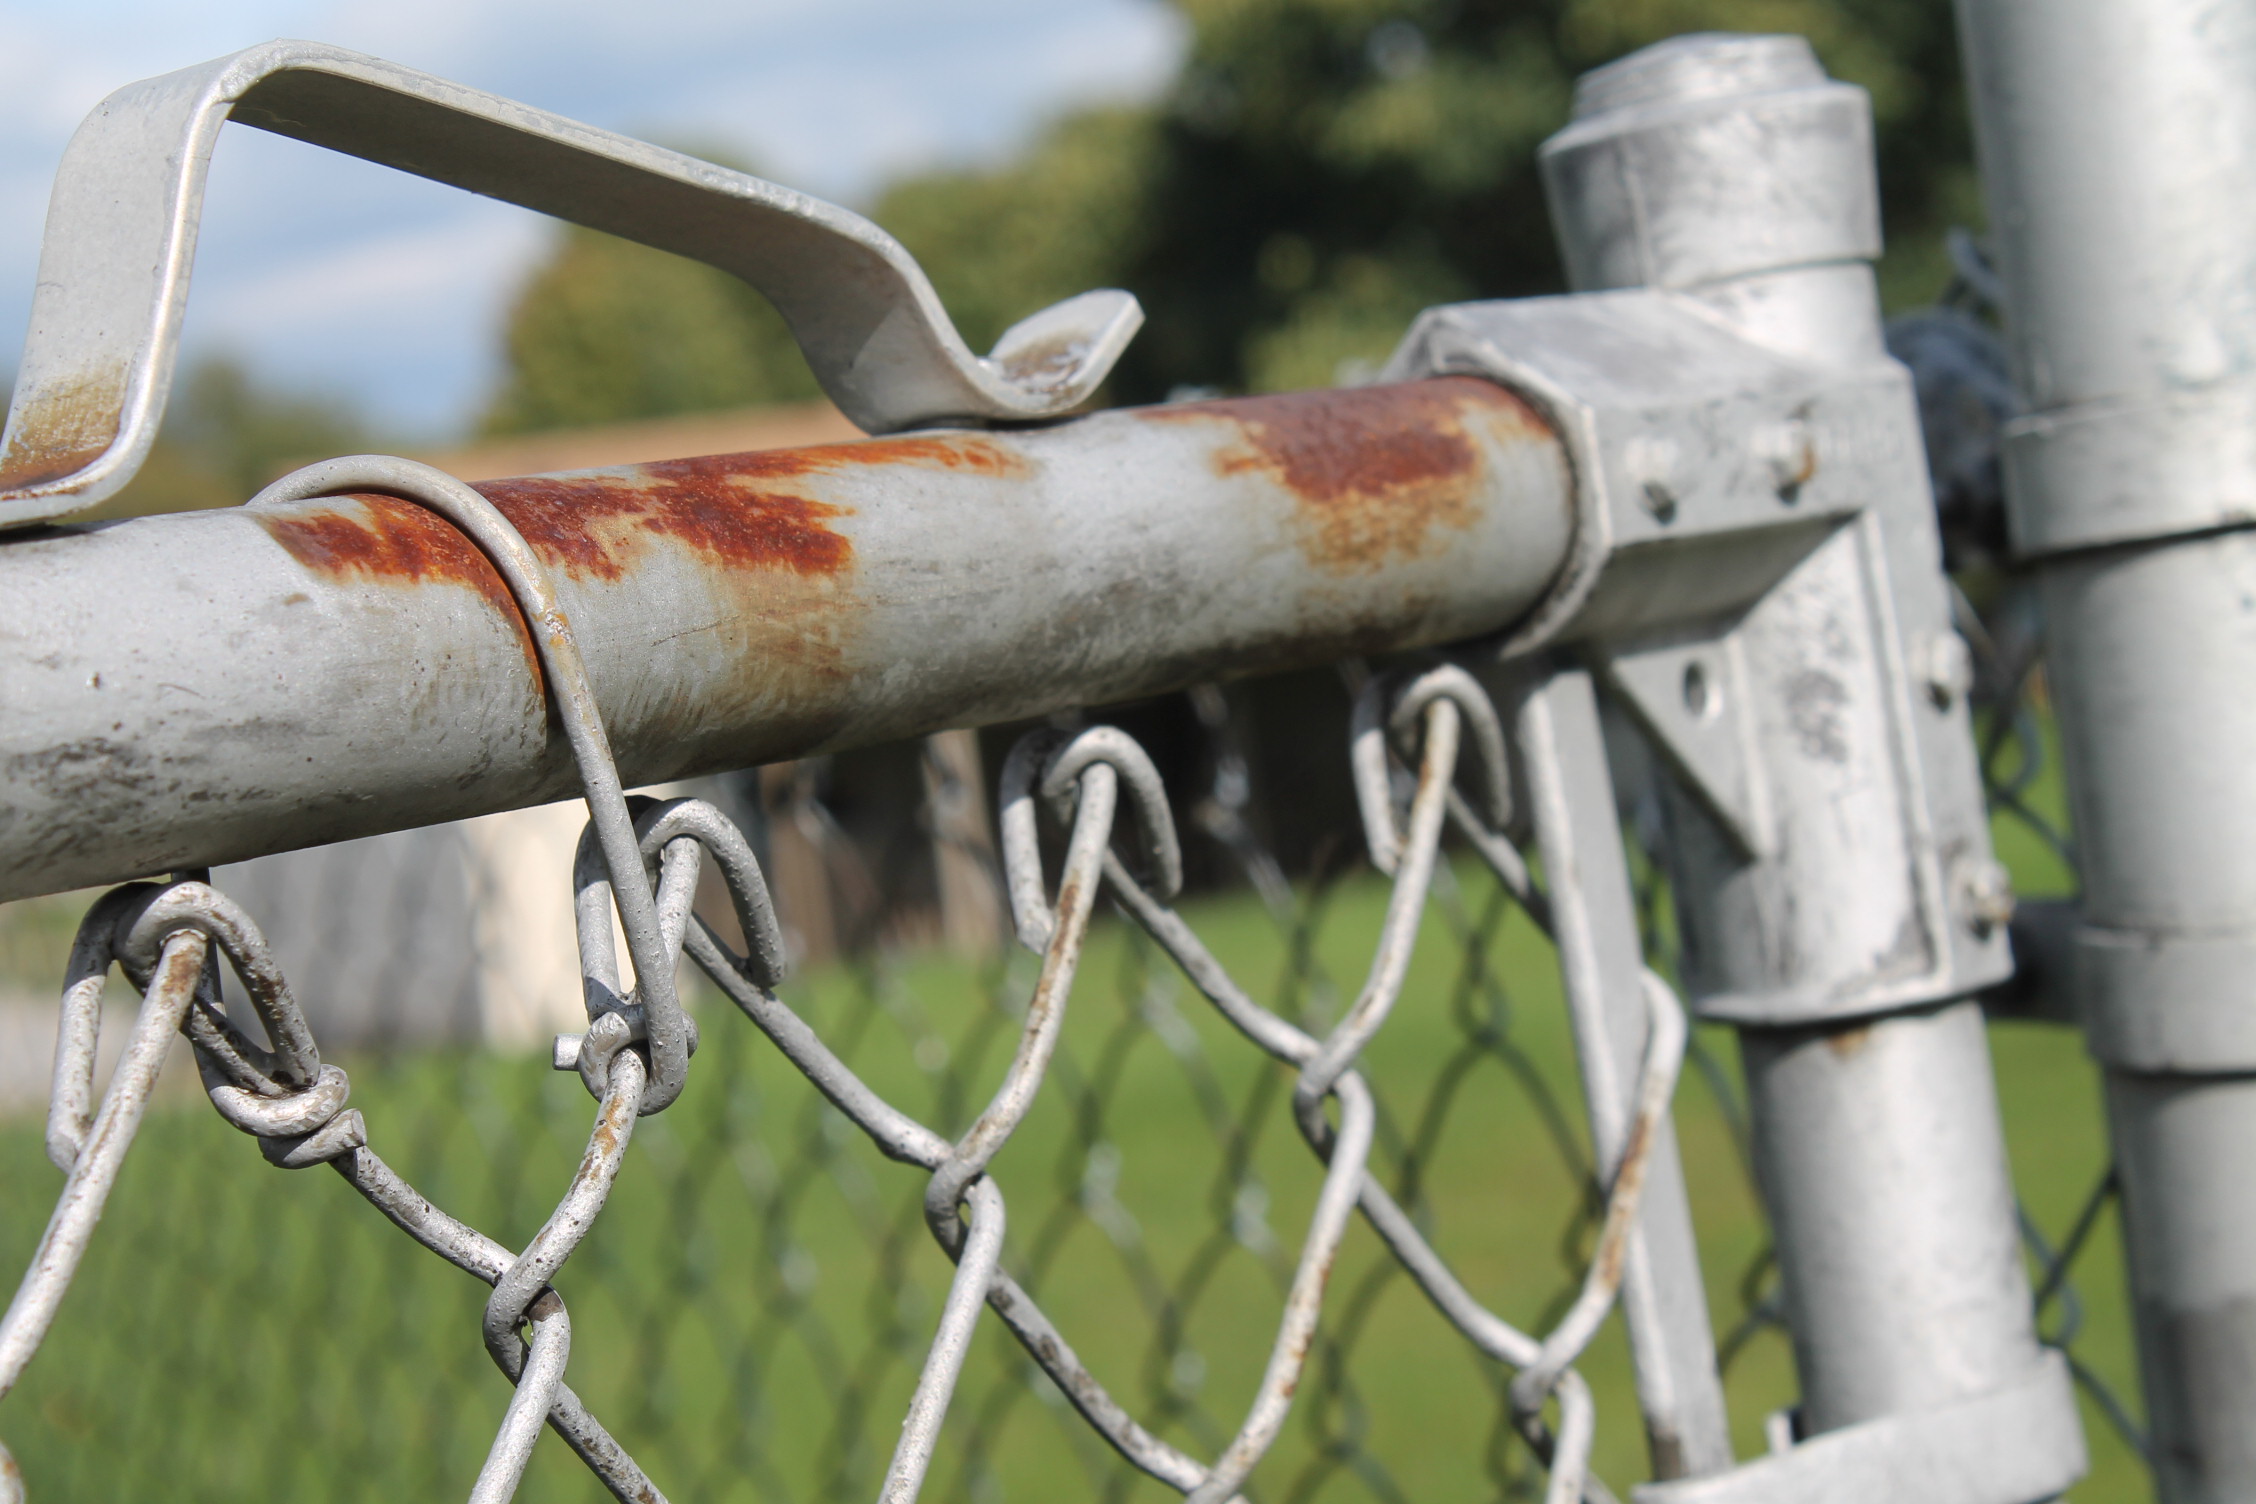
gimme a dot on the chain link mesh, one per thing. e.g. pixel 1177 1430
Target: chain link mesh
pixel 1202 1288
pixel 753 1309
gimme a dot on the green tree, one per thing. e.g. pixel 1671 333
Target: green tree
pixel 607 330
pixel 1319 171
pixel 1329 167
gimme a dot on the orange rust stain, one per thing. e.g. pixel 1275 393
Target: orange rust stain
pixel 976 453
pixel 1849 1043
pixel 587 524
pixel 1378 471
pixel 63 429
pixel 384 538
pixel 391 539
pixel 39 469
pixel 736 510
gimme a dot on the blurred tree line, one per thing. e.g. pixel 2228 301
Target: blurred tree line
pixel 1319 171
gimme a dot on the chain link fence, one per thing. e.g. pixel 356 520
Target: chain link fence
pixel 753 1308
pixel 752 1311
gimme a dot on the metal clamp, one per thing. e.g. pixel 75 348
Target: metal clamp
pixel 2018 1442
pixel 121 236
pixel 2141 469
pixel 2122 977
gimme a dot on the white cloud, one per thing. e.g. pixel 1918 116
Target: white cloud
pixel 391 290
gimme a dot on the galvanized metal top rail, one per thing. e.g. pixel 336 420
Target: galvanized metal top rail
pixel 207 687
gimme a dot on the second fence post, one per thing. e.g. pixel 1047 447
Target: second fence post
pixel 2118 147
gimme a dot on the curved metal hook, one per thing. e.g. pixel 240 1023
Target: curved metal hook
pixel 617 1017
pixel 294 1062
pixel 121 237
pixel 1395 704
pixel 1051 763
pixel 764 961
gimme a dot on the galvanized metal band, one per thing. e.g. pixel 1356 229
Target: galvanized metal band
pixel 2168 1003
pixel 2018 1443
pixel 2132 471
pixel 206 687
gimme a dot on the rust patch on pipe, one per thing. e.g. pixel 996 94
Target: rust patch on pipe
pixel 770 554
pixel 383 538
pixel 388 538
pixel 737 510
pixel 1378 472
pixel 592 526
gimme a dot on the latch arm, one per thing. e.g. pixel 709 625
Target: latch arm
pixel 121 238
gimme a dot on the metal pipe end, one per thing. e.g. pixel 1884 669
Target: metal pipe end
pixel 1702 65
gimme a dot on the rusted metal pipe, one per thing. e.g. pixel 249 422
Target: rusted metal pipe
pixel 207 687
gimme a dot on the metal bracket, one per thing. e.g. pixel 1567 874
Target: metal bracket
pixel 1694 700
pixel 2018 1442
pixel 1745 519
pixel 121 237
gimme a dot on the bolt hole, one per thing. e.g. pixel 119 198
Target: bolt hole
pixel 1700 696
pixel 1660 501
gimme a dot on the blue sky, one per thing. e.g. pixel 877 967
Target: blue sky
pixel 328 273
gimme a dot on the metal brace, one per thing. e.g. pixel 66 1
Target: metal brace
pixel 121 237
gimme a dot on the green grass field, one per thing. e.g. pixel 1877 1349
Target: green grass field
pixel 750 1311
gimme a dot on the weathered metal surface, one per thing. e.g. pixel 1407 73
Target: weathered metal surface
pixel 202 688
pixel 1826 812
pixel 1708 483
pixel 2118 146
pixel 121 237
pixel 1594 921
pixel 571 702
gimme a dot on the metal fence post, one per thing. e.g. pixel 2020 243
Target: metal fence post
pixel 1594 921
pixel 1729 170
pixel 2118 150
